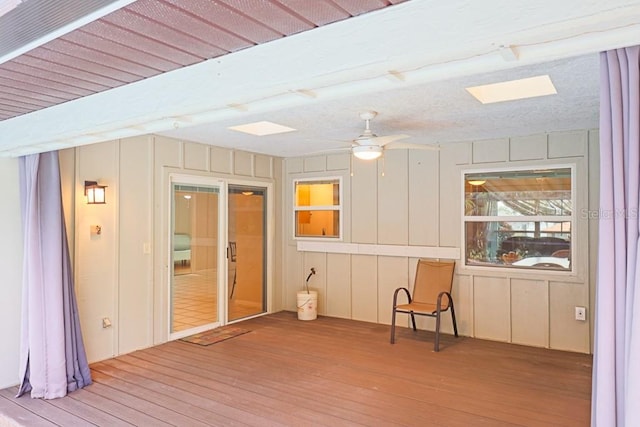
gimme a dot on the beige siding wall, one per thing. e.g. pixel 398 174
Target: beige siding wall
pixel 413 198
pixel 10 271
pixel 123 273
pixel 416 203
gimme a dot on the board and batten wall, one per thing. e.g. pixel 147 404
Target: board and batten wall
pixel 412 198
pixel 122 274
pixel 416 203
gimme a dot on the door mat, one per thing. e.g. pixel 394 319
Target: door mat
pixel 215 335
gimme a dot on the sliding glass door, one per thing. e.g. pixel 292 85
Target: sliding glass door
pixel 194 294
pixel 218 254
pixel 247 251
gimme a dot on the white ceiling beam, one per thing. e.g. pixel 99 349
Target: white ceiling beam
pixel 431 42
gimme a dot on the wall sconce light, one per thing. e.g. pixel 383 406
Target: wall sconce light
pixel 95 193
pixel 477 182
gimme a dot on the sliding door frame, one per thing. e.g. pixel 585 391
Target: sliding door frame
pixel 178 178
pixel 269 244
pixel 222 273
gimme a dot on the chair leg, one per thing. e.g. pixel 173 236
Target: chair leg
pixel 393 326
pixel 453 318
pixel 436 344
pixel 413 321
pixel 233 287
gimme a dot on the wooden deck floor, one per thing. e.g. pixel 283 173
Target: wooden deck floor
pixel 330 372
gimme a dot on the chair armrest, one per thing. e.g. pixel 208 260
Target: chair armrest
pixel 395 295
pixel 440 300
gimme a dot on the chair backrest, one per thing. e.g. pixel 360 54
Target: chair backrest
pixel 433 277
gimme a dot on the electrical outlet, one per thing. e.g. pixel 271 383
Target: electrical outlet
pixel 581 313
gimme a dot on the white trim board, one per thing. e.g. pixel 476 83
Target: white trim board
pixel 385 250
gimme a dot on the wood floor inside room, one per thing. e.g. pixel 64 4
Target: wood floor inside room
pixel 326 372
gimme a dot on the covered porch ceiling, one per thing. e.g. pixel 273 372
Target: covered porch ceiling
pixel 190 70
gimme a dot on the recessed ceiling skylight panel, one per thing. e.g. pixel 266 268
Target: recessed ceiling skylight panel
pixel 514 89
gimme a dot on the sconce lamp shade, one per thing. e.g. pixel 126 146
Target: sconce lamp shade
pixel 367 152
pixel 96 194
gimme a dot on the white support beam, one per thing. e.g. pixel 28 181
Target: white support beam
pixel 383 250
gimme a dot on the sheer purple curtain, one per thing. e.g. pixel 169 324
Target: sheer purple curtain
pixel 616 370
pixel 53 360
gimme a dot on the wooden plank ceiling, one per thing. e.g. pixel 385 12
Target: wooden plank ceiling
pixel 150 37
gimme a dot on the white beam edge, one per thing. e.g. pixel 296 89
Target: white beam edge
pixel 97 14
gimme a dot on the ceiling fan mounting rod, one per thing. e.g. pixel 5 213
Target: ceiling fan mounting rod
pixel 367 116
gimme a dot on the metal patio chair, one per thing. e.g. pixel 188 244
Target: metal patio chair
pixel 431 296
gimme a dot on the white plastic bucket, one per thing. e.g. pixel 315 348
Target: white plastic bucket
pixel 307 305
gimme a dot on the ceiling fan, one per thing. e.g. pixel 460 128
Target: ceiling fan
pixel 369 146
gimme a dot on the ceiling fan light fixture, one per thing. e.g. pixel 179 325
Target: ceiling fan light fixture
pixel 367 152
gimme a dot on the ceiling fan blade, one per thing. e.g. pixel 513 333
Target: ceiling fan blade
pixel 410 146
pixel 383 140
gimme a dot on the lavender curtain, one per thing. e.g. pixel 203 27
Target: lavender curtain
pixel 53 360
pixel 616 370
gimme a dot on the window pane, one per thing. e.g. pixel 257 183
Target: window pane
pixel 519 193
pixel 317 223
pixel 318 193
pixel 544 245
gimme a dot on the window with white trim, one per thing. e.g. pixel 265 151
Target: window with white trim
pixel 317 208
pixel 519 219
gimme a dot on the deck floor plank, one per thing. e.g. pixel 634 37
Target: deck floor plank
pixel 254 401
pixel 46 410
pixel 93 396
pixel 331 395
pixel 135 385
pixel 12 413
pixel 326 372
pixel 90 413
pixel 279 388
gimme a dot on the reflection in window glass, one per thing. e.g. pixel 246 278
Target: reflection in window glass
pixel 318 193
pixel 317 208
pixel 317 223
pixel 519 219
